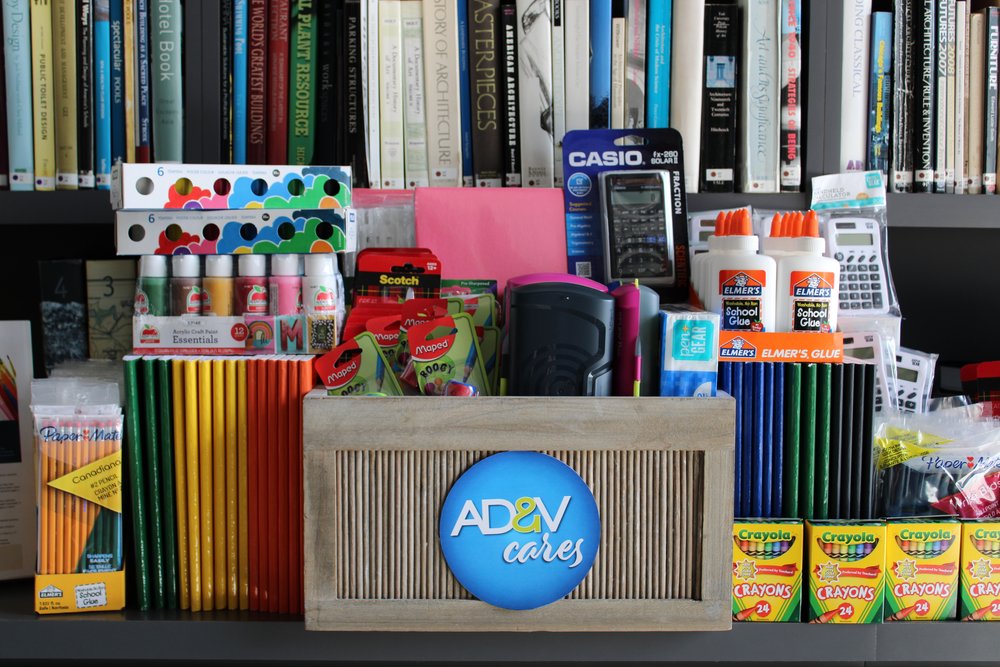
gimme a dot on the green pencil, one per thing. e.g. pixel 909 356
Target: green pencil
pixel 823 407
pixel 793 400
pixel 152 456
pixel 165 399
pixel 136 483
pixel 807 441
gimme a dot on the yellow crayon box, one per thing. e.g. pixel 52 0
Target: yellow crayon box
pixel 767 570
pixel 846 563
pixel 921 569
pixel 979 594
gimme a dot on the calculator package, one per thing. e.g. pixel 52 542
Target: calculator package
pixel 852 216
pixel 626 210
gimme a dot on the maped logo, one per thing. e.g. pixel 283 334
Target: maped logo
pixel 520 530
pixel 812 286
pixel 741 284
pixel 737 348
pixel 343 375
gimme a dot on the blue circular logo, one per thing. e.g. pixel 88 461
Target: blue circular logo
pixel 520 530
pixel 578 184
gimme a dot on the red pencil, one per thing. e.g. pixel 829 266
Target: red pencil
pixel 307 381
pixel 294 476
pixel 265 379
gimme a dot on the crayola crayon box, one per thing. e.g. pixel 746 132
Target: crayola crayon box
pixel 767 570
pixel 979 595
pixel 846 563
pixel 921 569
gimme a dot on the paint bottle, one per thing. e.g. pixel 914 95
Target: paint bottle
pixel 807 282
pixel 739 283
pixel 285 285
pixel 152 289
pixel 251 286
pixel 319 287
pixel 185 285
pixel 218 286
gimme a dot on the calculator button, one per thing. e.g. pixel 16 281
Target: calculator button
pixel 852 267
pixel 873 267
pixel 910 405
pixel 877 300
pixel 872 258
pixel 877 287
pixel 864 288
pixel 855 305
pixel 912 395
pixel 867 305
pixel 854 295
pixel 850 259
pixel 853 287
pixel 839 256
pixel 900 392
pixel 864 276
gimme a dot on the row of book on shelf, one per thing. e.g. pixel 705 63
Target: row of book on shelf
pixel 407 92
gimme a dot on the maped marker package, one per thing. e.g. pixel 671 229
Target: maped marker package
pixel 689 358
pixel 445 349
pixel 357 368
pixel 626 208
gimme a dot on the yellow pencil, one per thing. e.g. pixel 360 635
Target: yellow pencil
pixel 42 499
pixel 219 480
pixel 242 509
pixel 205 490
pixel 180 482
pixel 193 486
pixel 59 449
pixel 79 539
pixel 232 498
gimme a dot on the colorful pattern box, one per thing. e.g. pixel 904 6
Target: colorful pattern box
pixel 846 561
pixel 767 570
pixel 921 569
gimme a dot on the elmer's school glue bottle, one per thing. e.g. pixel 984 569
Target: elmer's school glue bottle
pixel 740 283
pixel 808 283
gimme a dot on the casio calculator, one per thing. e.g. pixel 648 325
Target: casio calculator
pixel 855 243
pixel 638 227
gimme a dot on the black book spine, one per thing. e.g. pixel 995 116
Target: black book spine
pixel 85 93
pixel 326 55
pixel 924 80
pixel 484 76
pixel 511 127
pixel 355 102
pixel 209 103
pixel 991 100
pixel 226 71
pixel 194 68
pixel 901 175
pixel 339 76
pixel 718 134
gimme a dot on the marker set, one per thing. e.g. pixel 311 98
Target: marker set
pixel 217 504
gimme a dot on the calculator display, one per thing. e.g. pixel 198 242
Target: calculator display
pixel 907 374
pixel 639 237
pixel 855 239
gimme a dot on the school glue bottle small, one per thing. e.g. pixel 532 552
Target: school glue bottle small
pixel 251 286
pixel 152 289
pixel 285 285
pixel 740 283
pixel 185 285
pixel 808 282
pixel 218 286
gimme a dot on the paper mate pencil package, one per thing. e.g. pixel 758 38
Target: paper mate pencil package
pixel 846 570
pixel 921 569
pixel 979 594
pixel 767 570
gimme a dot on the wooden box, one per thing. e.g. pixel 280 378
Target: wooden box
pixel 377 471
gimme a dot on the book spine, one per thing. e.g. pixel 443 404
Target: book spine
pixel 339 90
pixel 685 94
pixel 977 83
pixel 64 64
pixel 990 125
pixel 203 144
pixel 4 155
pixel 658 64
pixel 414 110
pixel 635 63
pixel 226 76
pixel 790 166
pixel 576 26
pixel 534 77
pixel 952 102
pixel 511 121
pixel 167 88
pixel 17 69
pixel 302 75
pixel 465 93
pixel 718 139
pixel 391 94
pixel 257 82
pixel 116 19
pixel 144 129
pixel 355 122
pixel 374 92
pixel 363 80
pixel 941 110
pixel 618 30
pixel 901 172
pixel 444 157
pixel 557 9
pixel 484 63
pixel 277 84
pixel 925 80
pixel 758 114
pixel 129 77
pixel 85 94
pixel 880 92
pixel 964 100
pixel 600 64
pixel 854 85
pixel 102 94
pixel 43 99
pixel 326 56
pixel 240 38
pixel 961 97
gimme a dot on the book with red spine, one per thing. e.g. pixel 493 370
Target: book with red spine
pixel 279 17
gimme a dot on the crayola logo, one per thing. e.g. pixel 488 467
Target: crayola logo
pixel 760 536
pixel 983 534
pixel 926 536
pixel 812 287
pixel 849 538
pixel 344 375
pixel 738 348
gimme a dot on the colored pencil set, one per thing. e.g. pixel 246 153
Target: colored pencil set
pixel 803 439
pixel 217 516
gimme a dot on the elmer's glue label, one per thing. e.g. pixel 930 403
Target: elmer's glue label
pixel 979 597
pixel 846 562
pixel 767 570
pixel 921 569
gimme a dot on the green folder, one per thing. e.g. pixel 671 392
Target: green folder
pixel 823 398
pixel 807 443
pixel 151 454
pixel 136 482
pixel 793 392
pixel 168 505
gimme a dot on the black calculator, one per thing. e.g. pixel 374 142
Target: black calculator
pixel 638 228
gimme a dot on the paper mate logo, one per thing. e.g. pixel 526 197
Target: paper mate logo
pixel 741 283
pixel 812 285
pixel 324 300
pixel 737 348
pixel 257 300
pixel 149 335
pixel 520 530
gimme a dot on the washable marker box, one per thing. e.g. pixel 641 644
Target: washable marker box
pixel 689 355
pixel 767 570
pixel 846 571
pixel 979 594
pixel 921 569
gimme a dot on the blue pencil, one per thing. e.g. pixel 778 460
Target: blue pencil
pixel 736 385
pixel 726 377
pixel 747 453
pixel 767 396
pixel 778 441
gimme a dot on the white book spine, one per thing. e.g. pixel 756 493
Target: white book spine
pixel 577 36
pixel 950 143
pixel 977 100
pixel 414 112
pixel 961 97
pixel 617 73
pixel 854 85
pixel 941 108
pixel 534 37
pixel 371 32
pixel 686 54
pixel 391 94
pixel 635 63
pixel 558 8
pixel 444 151
pixel 759 111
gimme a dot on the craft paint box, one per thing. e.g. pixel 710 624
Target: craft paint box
pixel 979 595
pixel 767 570
pixel 846 571
pixel 921 569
